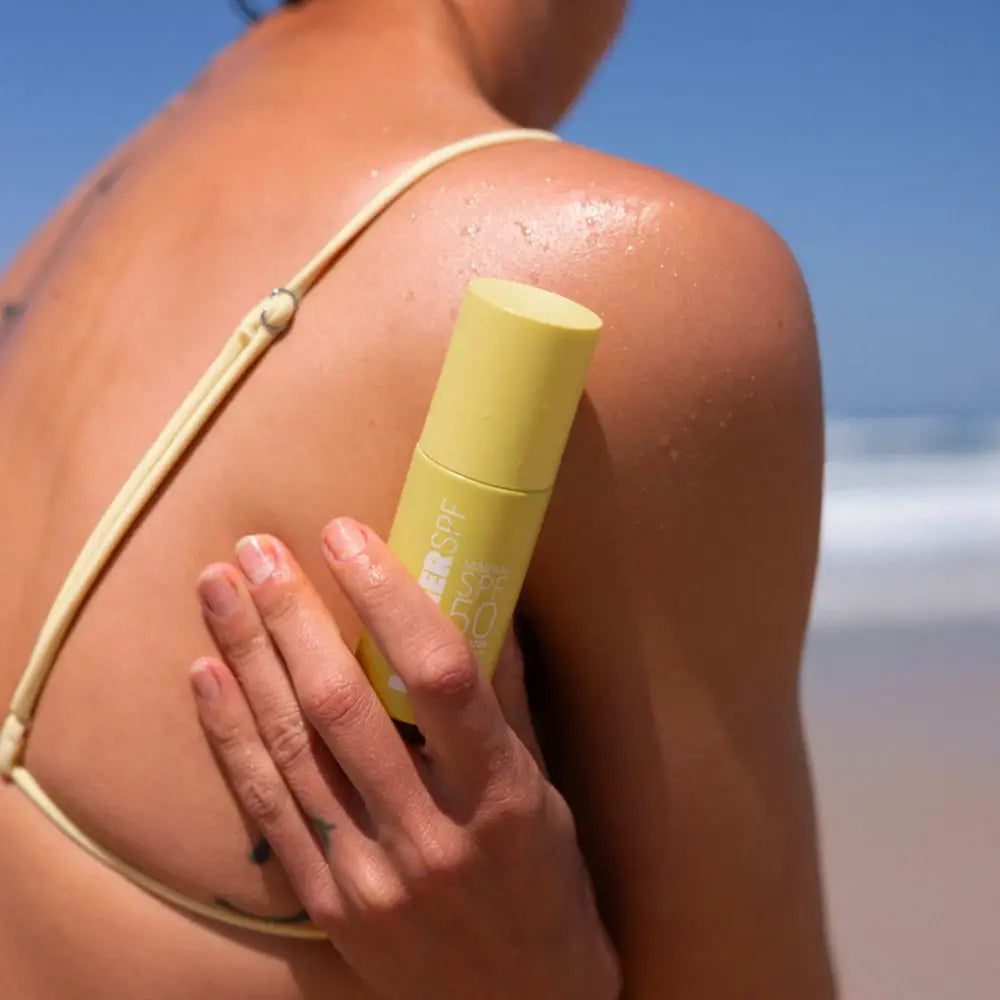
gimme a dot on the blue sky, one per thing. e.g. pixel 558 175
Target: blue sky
pixel 867 133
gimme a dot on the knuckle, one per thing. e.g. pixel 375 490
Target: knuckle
pixel 288 741
pixel 444 859
pixel 335 702
pixel 555 811
pixel 320 902
pixel 450 671
pixel 378 591
pixel 556 806
pixel 379 896
pixel 510 761
pixel 263 796
pixel 245 646
pixel 282 604
pixel 516 807
pixel 520 807
pixel 228 737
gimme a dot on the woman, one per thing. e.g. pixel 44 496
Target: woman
pixel 664 612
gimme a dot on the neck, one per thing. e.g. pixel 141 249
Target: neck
pixel 433 48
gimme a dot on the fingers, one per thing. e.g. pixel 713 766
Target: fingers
pixel 233 620
pixel 259 787
pixel 453 701
pixel 290 676
pixel 329 684
pixel 318 784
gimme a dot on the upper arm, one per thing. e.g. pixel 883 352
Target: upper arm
pixel 668 600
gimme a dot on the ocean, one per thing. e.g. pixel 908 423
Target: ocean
pixel 901 700
pixel 911 521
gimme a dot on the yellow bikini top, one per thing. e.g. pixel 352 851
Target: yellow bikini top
pixel 257 331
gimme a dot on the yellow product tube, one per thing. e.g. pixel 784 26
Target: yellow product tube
pixel 482 473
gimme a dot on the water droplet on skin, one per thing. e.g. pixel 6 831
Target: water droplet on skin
pixel 413 216
pixel 591 221
pixel 630 249
pixel 548 180
pixel 471 200
pixel 470 230
pixel 527 232
pixel 474 268
pixel 373 173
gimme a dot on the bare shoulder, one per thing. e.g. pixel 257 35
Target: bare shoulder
pixel 683 257
pixel 703 406
pixel 705 392
pixel 707 376
pixel 670 591
pixel 691 285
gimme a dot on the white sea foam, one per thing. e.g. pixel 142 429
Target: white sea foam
pixel 893 507
pixel 848 437
pixel 917 486
pixel 911 522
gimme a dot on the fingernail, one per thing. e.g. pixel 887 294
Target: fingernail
pixel 218 594
pixel 204 681
pixel 256 558
pixel 344 539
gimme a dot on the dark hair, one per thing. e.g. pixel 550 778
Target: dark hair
pixel 251 14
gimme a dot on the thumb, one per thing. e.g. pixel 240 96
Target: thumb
pixel 508 683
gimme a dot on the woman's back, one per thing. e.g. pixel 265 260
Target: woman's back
pixel 133 290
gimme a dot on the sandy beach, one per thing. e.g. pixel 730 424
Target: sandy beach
pixel 902 706
pixel 904 728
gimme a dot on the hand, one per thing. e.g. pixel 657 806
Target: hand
pixel 450 870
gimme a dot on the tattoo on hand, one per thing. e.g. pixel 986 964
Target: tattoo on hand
pixel 323 829
pixel 260 853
